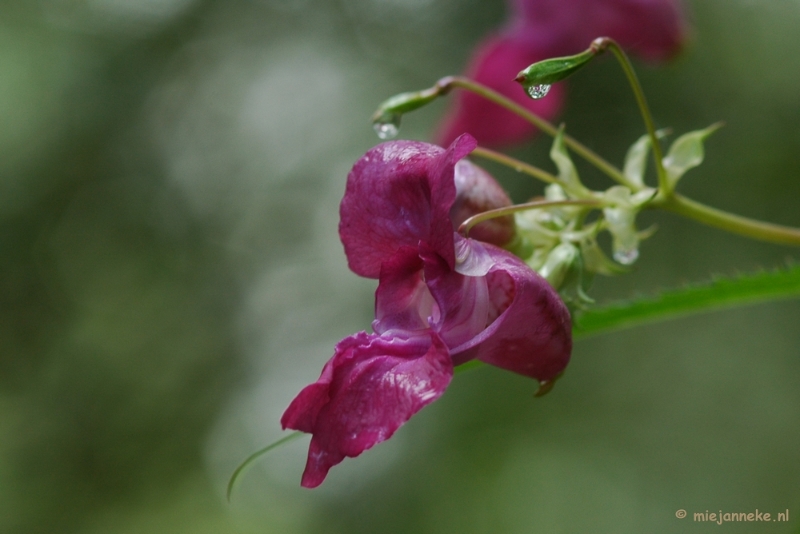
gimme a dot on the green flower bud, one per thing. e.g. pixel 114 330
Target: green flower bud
pixel 537 78
pixel 386 120
pixel 558 264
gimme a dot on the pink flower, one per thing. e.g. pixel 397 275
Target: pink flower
pixel 442 300
pixel 541 29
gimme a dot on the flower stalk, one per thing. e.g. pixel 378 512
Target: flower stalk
pixel 517 165
pixel 604 43
pixel 516 208
pixel 735 224
pixel 666 200
pixel 547 127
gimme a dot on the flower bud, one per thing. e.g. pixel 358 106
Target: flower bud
pixel 477 191
pixel 405 102
pixel 386 120
pixel 561 260
pixel 554 70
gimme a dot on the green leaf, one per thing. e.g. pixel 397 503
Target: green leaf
pixel 716 294
pixel 686 153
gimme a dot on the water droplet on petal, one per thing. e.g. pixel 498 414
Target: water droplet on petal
pixel 626 257
pixel 538 91
pixel 387 128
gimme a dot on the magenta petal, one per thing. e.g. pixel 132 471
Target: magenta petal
pixel 463 301
pixel 443 196
pixel 398 194
pixel 477 191
pixel 496 63
pixel 370 387
pixel 532 334
pixel 386 204
pixel 403 302
pixel 472 258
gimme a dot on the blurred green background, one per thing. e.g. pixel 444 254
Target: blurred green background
pixel 170 172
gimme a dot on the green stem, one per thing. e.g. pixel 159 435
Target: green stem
pixel 603 43
pixel 446 84
pixel 508 210
pixel 517 165
pixel 675 203
pixel 736 224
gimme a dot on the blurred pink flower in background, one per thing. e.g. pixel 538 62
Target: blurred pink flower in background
pixel 539 29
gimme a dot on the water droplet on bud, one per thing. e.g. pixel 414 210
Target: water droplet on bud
pixel 626 257
pixel 387 128
pixel 538 91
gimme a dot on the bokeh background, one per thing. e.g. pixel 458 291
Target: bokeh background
pixel 171 276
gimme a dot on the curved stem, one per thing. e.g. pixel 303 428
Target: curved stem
pixel 674 202
pixel 601 44
pixel 517 165
pixel 255 456
pixel 736 224
pixel 508 210
pixel 446 84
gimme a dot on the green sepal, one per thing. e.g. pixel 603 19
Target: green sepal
pixel 636 158
pixel 558 264
pixel 596 260
pixel 553 70
pixel 575 288
pixel 567 173
pixel 686 153
pixel 564 270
